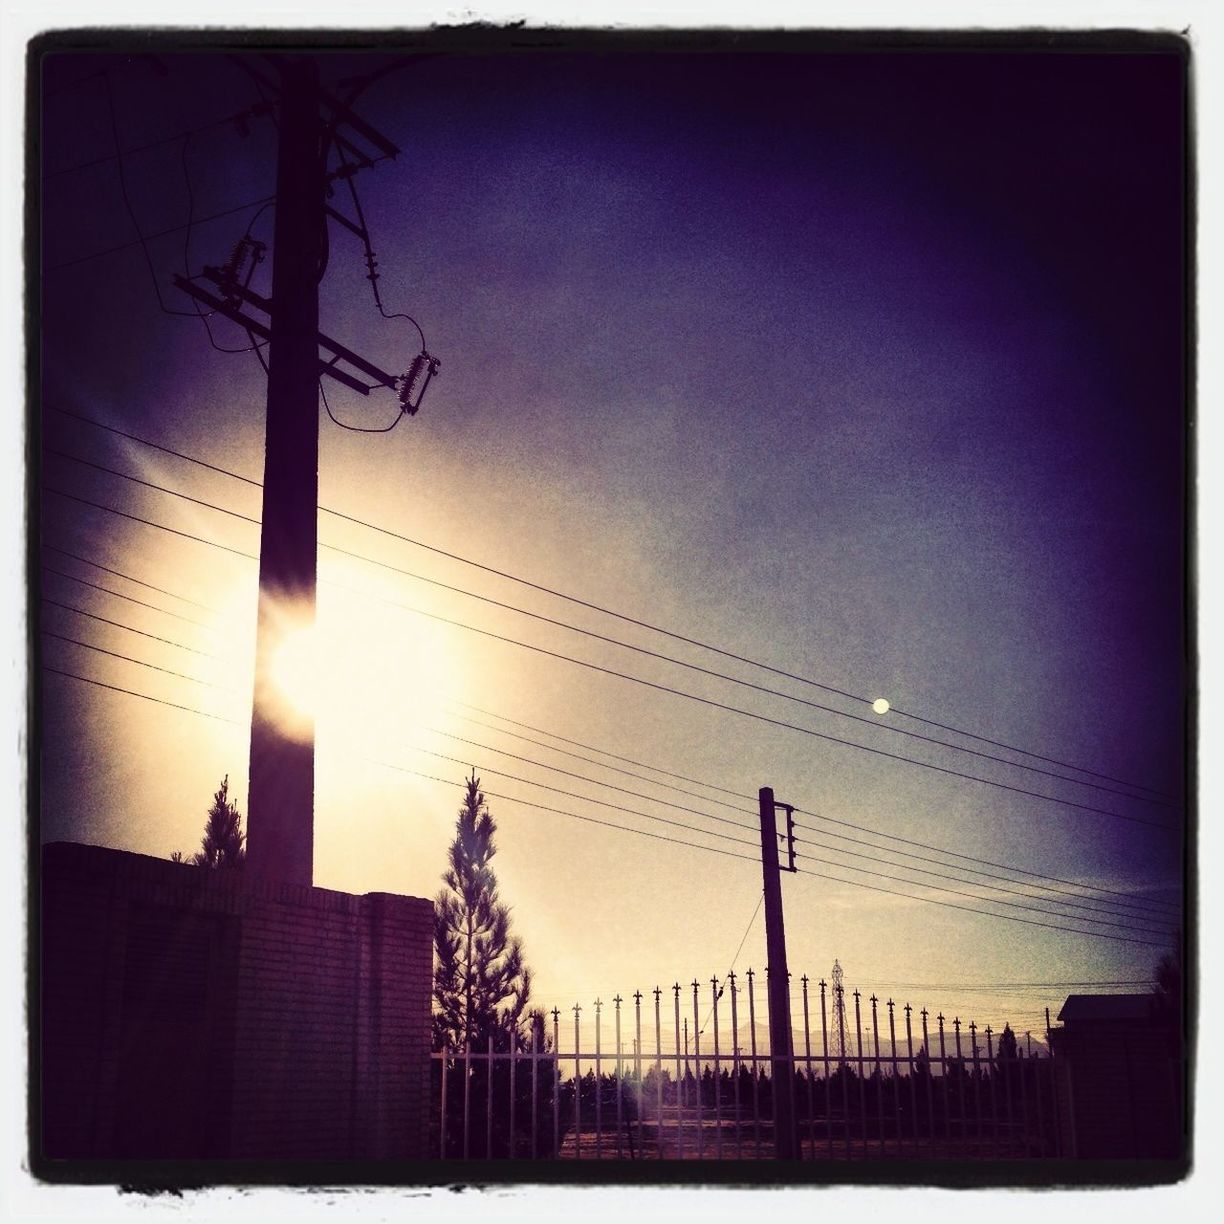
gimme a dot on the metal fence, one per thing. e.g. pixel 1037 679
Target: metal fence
pixel 635 1085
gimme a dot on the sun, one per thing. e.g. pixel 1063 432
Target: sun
pixel 358 674
pixel 296 671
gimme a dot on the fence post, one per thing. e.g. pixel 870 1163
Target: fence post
pixel 781 1064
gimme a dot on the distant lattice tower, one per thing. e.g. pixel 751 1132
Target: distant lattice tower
pixel 839 1015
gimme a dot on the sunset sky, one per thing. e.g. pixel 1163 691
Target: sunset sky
pixel 866 367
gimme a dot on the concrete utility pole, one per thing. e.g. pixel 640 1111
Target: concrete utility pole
pixel 785 1139
pixel 280 813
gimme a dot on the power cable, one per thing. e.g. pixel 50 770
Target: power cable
pixel 145 696
pixel 976 871
pixel 988 862
pixel 164 233
pixel 130 598
pixel 604 752
pixel 706 815
pixel 500 773
pixel 250 112
pixel 642 832
pixel 110 101
pixel 593 781
pixel 635 679
pixel 399 416
pixel 114 654
pixel 120 574
pixel 731 968
pixel 982 913
pixel 653 628
pixel 1132 925
pixel 599 764
pixel 120 625
pixel 371 260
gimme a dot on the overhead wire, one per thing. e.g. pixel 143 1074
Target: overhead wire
pixel 977 871
pixel 986 862
pixel 120 574
pixel 370 429
pixel 129 598
pixel 114 654
pixel 595 782
pixel 163 233
pixel 55 603
pixel 642 624
pixel 127 202
pixel 202 314
pixel 970 910
pixel 662 837
pixel 1134 921
pixel 635 679
pixel 152 144
pixel 734 959
pixel 603 752
pixel 1078 903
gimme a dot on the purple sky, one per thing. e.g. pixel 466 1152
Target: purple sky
pixel 865 366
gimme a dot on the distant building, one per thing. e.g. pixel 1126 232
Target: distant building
pixel 1119 1079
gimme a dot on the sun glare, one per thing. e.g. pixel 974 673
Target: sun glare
pixel 296 671
pixel 361 672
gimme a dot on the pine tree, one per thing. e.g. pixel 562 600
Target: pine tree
pixel 222 844
pixel 481 984
pixel 1007 1045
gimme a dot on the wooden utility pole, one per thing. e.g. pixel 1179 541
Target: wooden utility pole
pixel 780 1060
pixel 280 814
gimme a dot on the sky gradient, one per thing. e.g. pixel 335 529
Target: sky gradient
pixel 869 367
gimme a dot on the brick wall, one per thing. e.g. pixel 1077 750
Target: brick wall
pixel 192 1014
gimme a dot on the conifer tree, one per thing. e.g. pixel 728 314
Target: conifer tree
pixel 223 841
pixel 481 984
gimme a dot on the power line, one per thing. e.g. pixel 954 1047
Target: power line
pixel 120 625
pixel 981 913
pixel 626 676
pixel 975 871
pixel 249 113
pixel 572 815
pixel 1132 925
pixel 640 832
pixel 587 798
pixel 483 747
pixel 144 696
pixel 605 752
pixel 135 518
pixel 600 764
pixel 174 229
pixel 839 836
pixel 903 865
pixel 731 968
pixel 129 659
pixel 427 777
pixel 119 574
pixel 1126 903
pixel 738 824
pixel 690 641
pixel 130 598
pixel 705 815
pixel 987 862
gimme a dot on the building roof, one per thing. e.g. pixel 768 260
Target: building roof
pixel 1079 1007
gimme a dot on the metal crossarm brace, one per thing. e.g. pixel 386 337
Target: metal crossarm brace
pixel 261 329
